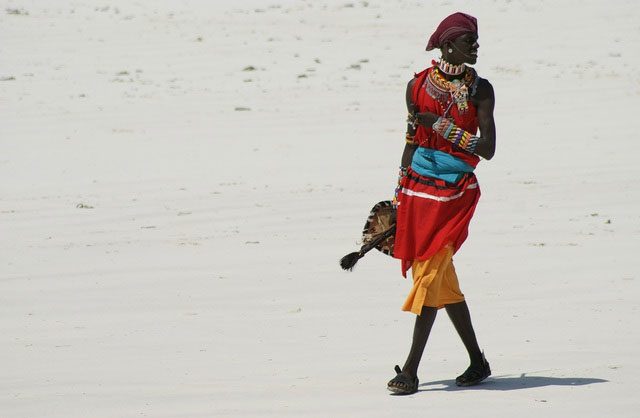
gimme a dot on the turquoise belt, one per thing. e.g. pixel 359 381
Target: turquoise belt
pixel 432 163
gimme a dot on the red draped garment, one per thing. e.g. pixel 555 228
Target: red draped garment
pixel 431 212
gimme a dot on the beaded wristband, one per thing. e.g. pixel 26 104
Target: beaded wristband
pixel 455 135
pixel 412 120
pixel 396 193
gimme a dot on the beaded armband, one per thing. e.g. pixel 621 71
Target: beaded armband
pixel 456 135
pixel 401 174
pixel 412 120
pixel 410 139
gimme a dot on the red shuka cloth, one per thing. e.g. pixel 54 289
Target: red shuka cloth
pixel 431 212
pixel 427 137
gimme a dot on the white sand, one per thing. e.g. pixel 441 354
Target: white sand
pixel 165 254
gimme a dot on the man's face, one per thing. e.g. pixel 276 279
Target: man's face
pixel 465 48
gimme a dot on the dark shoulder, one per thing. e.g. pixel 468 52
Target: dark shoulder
pixel 409 94
pixel 483 90
pixel 410 85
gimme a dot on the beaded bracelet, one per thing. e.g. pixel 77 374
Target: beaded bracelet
pixel 412 120
pixel 455 135
pixel 402 173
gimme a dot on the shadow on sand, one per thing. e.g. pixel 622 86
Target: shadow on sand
pixel 507 382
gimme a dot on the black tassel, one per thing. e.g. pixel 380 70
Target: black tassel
pixel 348 262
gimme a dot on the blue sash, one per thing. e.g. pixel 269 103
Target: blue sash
pixel 431 163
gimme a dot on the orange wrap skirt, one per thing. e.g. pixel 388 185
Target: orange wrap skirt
pixel 435 282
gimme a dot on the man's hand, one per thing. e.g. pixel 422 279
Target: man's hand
pixel 426 119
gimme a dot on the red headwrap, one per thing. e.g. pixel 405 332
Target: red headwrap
pixel 451 27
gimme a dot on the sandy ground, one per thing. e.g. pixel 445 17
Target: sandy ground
pixel 179 180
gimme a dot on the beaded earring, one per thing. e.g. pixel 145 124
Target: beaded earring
pixel 450 50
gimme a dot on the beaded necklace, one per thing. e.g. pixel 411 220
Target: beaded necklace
pixel 448 92
pixel 451 69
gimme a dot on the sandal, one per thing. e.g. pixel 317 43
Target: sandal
pixel 474 374
pixel 402 384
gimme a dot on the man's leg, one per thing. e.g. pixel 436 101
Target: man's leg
pixel 461 318
pixel 479 368
pixel 421 331
pixel 408 375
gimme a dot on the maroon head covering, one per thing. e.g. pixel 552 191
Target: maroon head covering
pixel 451 27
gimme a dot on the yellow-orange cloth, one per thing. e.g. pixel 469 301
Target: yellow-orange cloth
pixel 435 283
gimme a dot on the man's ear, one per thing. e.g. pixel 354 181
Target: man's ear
pixel 446 47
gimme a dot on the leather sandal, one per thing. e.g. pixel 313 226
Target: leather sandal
pixel 474 374
pixel 402 384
